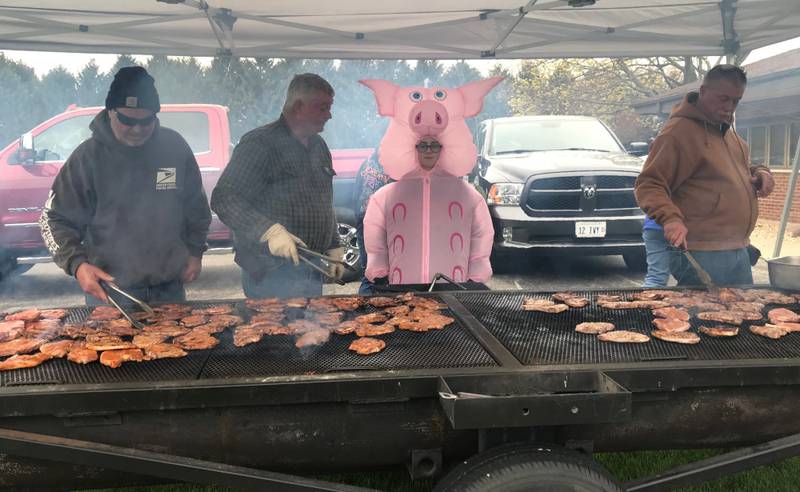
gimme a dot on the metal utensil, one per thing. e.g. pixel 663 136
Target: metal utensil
pixel 106 286
pixel 318 268
pixel 326 258
pixel 145 307
pixel 704 276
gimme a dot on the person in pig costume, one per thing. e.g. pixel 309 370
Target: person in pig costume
pixel 428 221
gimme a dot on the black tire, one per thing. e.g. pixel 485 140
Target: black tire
pixel 636 261
pixel 526 468
pixel 506 261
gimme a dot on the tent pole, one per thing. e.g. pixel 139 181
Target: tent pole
pixel 787 203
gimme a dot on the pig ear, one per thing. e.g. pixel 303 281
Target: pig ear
pixel 474 92
pixel 384 92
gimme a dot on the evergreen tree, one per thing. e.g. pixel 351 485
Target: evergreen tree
pixel 58 90
pixel 92 86
pixel 20 105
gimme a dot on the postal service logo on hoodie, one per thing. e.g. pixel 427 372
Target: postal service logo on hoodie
pixel 166 178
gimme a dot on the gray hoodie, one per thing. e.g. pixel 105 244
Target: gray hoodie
pixel 136 212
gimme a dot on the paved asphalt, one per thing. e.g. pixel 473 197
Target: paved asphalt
pixel 47 286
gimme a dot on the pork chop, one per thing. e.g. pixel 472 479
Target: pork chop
pixel 594 327
pixel 247 334
pixel 576 302
pixel 623 336
pixel 313 337
pixel 11 329
pixel 214 310
pixel 300 326
pixel 376 317
pixel 374 330
pixel 115 358
pixel 60 348
pixel 20 346
pixel 346 327
pixel 672 325
pixel 719 331
pixel 196 341
pixel 163 351
pixel 671 313
pixel 721 316
pixel 226 320
pixel 82 355
pixel 366 346
pixel 382 302
pixel 101 342
pixel 101 313
pixel 684 337
pixel 348 303
pixel 148 339
pixel 768 330
pixel 53 313
pixel 397 310
pixel 194 320
pixel 781 315
pixel 23 361
pixel 27 315
pixel 296 302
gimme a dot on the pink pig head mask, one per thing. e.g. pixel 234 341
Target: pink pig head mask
pixel 439 112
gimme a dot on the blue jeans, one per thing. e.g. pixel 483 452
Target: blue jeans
pixel 166 292
pixel 657 258
pixel 285 281
pixel 726 267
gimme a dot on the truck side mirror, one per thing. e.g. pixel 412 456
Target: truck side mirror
pixel 26 153
pixel 637 148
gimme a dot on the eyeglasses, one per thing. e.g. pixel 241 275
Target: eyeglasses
pixel 128 121
pixel 425 146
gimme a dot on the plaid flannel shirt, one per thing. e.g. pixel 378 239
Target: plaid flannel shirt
pixel 272 178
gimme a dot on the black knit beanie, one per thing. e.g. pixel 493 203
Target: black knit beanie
pixel 133 87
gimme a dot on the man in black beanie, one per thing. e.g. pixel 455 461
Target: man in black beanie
pixel 128 205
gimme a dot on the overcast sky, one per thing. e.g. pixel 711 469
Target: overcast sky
pixel 43 61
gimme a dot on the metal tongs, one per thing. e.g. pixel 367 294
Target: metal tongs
pixel 442 276
pixel 302 252
pixel 704 276
pixel 107 285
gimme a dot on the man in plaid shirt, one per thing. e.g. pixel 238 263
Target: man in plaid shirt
pixel 277 193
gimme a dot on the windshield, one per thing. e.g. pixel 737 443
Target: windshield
pixel 551 134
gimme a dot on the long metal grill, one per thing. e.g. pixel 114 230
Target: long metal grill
pixel 541 338
pixel 274 355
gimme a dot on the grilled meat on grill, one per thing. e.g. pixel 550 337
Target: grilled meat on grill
pixel 296 302
pixel 433 322
pixel 748 315
pixel 274 329
pixel 210 328
pixel 607 298
pixel 102 341
pixel 397 310
pixel 300 326
pixel 619 304
pixel 271 317
pixel 719 331
pixel 104 313
pixel 780 315
pixel 374 330
pixel 652 295
pixel 329 318
pixel 167 330
pixel 672 325
pixel 684 337
pixel 576 302
pixel 12 329
pixel 115 358
pixel 212 310
pixel 27 315
pixel 44 329
pixel 196 341
pixel 746 306
pixel 82 355
pixel 19 346
pixel 347 327
pixel 194 320
pixel 721 316
pixel 768 330
pixel 321 304
pixel 425 303
pixel 163 351
pixel 789 327
pixel 366 346
pixel 78 331
pixel 247 334
pixel 651 304
pixel 119 327
pixel 226 320
pixel 543 306
pixel 594 327
pixel 60 348
pixel 672 313
pixel 22 361
pixel 148 339
pixel 623 336
pixel 382 302
pixel 348 303
pixel 376 317
pixel 313 337
pixel 53 313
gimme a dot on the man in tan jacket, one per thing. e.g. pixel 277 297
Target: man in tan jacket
pixel 698 184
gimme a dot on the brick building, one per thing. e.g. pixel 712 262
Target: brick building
pixel 768 117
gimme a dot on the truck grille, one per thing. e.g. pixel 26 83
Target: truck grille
pixel 579 196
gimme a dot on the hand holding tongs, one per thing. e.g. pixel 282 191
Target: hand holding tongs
pixel 302 252
pixel 109 285
pixel 327 258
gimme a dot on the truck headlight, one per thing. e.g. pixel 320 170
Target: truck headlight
pixel 504 194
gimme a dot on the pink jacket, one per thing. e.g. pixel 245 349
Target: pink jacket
pixel 428 222
pixel 421 226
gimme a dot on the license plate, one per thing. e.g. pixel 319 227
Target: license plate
pixel 590 229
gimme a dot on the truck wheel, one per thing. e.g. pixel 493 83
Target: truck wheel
pixel 352 253
pixel 636 261
pixel 528 467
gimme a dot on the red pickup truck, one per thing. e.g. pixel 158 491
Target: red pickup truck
pixel 29 165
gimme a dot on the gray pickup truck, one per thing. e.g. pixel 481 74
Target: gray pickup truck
pixel 560 185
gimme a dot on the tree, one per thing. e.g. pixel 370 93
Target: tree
pixel 20 104
pixel 91 85
pixel 58 90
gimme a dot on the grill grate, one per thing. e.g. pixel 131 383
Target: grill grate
pixel 541 338
pixel 274 355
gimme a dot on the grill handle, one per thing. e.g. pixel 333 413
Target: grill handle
pixel 525 400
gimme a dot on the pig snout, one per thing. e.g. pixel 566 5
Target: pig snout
pixel 428 118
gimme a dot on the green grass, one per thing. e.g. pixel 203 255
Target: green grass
pixel 780 477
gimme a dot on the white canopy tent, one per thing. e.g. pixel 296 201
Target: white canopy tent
pixel 408 29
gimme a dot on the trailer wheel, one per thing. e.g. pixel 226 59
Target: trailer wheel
pixel 528 467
